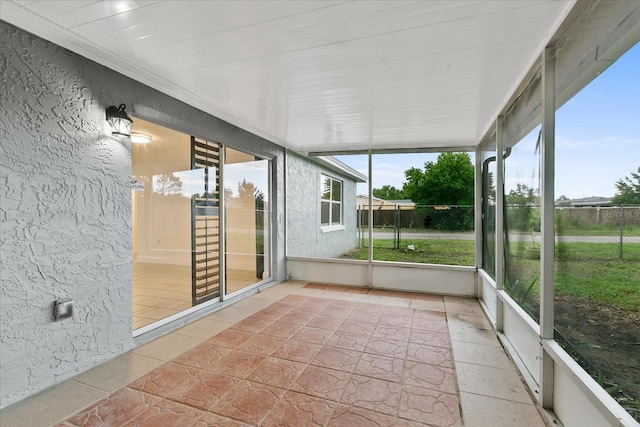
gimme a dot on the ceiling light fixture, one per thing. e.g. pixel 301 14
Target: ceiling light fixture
pixel 119 121
pixel 140 138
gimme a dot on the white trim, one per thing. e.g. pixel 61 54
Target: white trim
pixel 327 260
pixel 247 288
pixel 484 275
pixel 370 218
pixel 447 280
pixel 547 255
pixel 330 228
pixel 604 403
pixel 488 290
pixel 499 220
pixel 507 300
pixel 385 263
pixel 330 201
pixel 337 166
pixel 427 266
pixel 477 202
pixel 522 368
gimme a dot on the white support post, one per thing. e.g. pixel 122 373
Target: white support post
pixel 499 234
pixel 547 231
pixel 370 268
pixel 477 209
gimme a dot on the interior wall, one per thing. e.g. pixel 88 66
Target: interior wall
pixel 240 222
pixel 241 236
pixel 66 208
pixel 162 219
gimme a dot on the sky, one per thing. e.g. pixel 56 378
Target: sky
pixel 597 140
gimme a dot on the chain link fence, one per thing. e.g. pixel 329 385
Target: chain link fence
pixel 615 230
pixel 395 226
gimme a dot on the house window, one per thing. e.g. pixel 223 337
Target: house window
pixel 330 201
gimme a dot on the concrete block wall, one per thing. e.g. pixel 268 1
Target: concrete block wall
pixel 65 188
pixel 304 235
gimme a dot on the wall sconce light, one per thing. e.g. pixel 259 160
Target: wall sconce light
pixel 140 138
pixel 119 121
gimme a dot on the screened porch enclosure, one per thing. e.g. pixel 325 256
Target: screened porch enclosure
pixel 557 278
pixel 519 86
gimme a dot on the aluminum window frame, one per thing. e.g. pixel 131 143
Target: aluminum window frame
pixel 331 225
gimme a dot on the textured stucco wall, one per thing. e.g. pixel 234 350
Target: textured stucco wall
pixel 304 236
pixel 66 208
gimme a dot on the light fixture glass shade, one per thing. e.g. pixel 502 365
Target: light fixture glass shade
pixel 140 138
pixel 119 121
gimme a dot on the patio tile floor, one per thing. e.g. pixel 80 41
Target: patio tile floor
pixel 318 356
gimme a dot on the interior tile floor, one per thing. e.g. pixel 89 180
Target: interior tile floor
pixel 161 290
pixel 238 279
pixel 300 354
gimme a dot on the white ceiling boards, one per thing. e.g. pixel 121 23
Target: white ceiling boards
pixel 317 75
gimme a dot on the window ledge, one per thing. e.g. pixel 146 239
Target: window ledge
pixel 330 228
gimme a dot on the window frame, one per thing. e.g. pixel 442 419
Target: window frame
pixel 332 204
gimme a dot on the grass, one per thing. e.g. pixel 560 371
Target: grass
pixel 588 270
pixel 595 271
pixel 565 230
pixel 601 230
pixel 440 251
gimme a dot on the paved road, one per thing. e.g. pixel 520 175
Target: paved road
pixel 516 237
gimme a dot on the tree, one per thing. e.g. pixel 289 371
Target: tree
pixel 249 194
pixel 522 195
pixel 490 188
pixel 247 190
pixel 523 213
pixel 628 190
pixel 167 184
pixel 448 181
pixel 388 192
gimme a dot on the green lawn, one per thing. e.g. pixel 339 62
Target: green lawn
pixel 601 230
pixel 451 252
pixel 590 270
pixel 595 271
pixel 565 230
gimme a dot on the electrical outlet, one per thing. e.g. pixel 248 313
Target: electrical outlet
pixel 63 308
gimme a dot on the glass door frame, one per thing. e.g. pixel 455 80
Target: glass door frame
pixel 223 221
pixel 160 119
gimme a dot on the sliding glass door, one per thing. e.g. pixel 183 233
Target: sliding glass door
pixel 177 222
pixel 247 212
pixel 163 185
pixel 205 221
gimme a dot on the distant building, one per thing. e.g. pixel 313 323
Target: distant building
pixel 584 201
pixel 377 203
